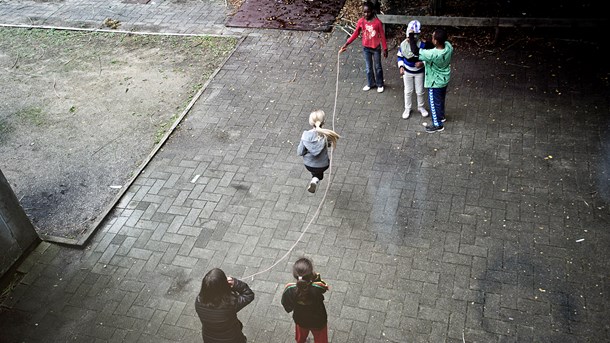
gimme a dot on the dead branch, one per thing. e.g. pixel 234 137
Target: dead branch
pixel 55 90
pixel 16 60
pixel 344 29
pixel 105 145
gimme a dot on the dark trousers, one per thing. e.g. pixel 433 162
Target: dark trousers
pixel 436 96
pixel 317 172
pixel 374 70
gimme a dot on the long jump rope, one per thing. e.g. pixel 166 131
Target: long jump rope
pixel 196 97
pixel 330 174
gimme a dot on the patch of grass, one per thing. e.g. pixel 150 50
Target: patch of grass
pixel 31 115
pixel 35 45
pixel 73 62
pixel 10 286
pixel 194 89
pixel 163 127
pixel 5 129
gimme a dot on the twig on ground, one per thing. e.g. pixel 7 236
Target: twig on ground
pixel 513 43
pixel 105 145
pixel 16 60
pixel 517 65
pixel 55 90
pixel 99 60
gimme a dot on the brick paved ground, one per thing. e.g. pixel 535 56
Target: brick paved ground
pixel 469 235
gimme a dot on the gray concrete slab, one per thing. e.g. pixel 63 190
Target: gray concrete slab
pixel 494 230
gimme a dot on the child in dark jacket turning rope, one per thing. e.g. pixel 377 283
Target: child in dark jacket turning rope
pixel 314 148
pixel 217 304
pixel 306 300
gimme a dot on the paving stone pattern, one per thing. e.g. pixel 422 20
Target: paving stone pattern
pixel 469 235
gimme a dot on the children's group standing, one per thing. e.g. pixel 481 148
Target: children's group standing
pixel 421 64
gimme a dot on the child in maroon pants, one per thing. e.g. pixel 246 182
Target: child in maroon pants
pixel 306 300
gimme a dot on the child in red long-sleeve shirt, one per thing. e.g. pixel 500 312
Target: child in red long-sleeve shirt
pixel 373 41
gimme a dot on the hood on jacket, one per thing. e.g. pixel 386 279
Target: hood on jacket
pixel 313 142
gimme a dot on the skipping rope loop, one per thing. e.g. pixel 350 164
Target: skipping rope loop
pixel 330 173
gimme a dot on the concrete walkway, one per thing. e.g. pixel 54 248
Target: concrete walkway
pixel 495 230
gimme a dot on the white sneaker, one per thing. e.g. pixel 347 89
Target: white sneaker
pixel 312 185
pixel 379 89
pixel 366 88
pixel 423 112
pixel 406 113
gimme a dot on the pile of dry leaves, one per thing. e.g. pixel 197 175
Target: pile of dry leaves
pixel 347 18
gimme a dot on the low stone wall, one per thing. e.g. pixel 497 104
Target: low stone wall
pixel 17 234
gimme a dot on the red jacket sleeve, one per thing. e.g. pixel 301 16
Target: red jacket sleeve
pixel 356 32
pixel 384 44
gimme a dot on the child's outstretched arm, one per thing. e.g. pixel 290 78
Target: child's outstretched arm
pixel 352 37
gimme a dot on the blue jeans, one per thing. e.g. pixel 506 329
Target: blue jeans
pixel 370 56
pixel 436 96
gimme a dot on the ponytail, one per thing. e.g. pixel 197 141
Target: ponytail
pixel 316 119
pixel 303 290
pixel 303 272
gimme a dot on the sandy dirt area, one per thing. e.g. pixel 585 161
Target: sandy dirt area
pixel 80 112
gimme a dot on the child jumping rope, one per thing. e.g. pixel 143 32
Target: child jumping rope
pixel 314 148
pixel 306 300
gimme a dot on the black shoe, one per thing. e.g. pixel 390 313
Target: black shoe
pixel 443 120
pixel 433 129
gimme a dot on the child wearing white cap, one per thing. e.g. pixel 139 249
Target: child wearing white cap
pixel 412 69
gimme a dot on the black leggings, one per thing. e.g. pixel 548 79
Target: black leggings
pixel 317 172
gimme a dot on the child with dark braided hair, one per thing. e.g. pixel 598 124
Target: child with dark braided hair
pixel 306 300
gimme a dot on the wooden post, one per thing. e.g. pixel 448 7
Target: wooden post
pixel 436 7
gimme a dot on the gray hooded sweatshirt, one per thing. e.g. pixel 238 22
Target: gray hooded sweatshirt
pixel 313 148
